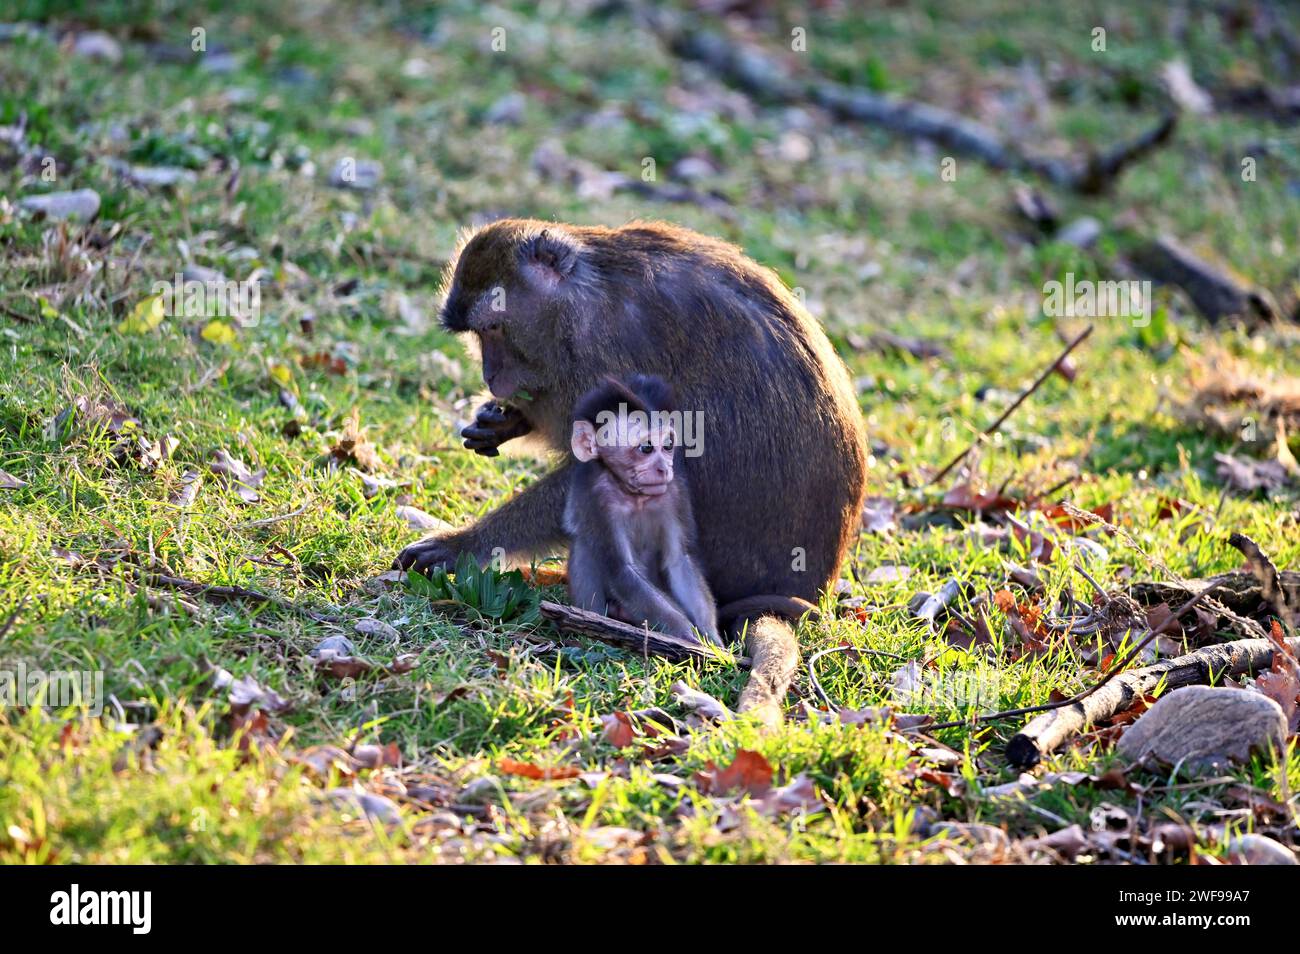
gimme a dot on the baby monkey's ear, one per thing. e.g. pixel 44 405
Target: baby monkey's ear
pixel 583 441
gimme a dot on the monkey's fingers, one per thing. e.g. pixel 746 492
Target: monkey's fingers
pixel 481 435
pixel 494 413
pixel 423 555
pixel 481 441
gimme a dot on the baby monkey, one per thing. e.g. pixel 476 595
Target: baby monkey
pixel 628 513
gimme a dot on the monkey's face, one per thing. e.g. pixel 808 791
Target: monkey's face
pixel 640 459
pixel 507 293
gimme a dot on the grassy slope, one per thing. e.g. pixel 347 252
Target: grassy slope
pixel 332 82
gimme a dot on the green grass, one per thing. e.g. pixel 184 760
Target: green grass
pixel 864 226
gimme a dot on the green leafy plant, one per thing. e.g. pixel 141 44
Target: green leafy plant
pixel 490 593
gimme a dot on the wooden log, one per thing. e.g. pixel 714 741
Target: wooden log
pixel 1214 292
pixel 764 78
pixel 637 639
pixel 1046 732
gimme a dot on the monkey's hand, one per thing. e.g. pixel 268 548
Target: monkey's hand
pixel 436 552
pixel 494 424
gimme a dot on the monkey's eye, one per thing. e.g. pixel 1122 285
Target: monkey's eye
pixel 646 447
pixel 668 443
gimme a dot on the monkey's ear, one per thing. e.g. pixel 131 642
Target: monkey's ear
pixel 583 441
pixel 550 256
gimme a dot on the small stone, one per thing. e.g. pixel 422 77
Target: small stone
pixel 417 519
pixel 507 111
pixel 98 46
pixel 219 62
pixel 376 627
pixel 1081 233
pixel 693 168
pixel 82 204
pixel 1200 727
pixel 156 177
pixel 202 274
pixel 333 646
pixel 794 147
pixel 975 832
pixel 481 791
pixel 375 807
pixel 361 175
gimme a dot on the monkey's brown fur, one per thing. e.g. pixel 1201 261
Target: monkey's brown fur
pixel 778 488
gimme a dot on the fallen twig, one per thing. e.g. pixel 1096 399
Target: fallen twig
pixel 1038 382
pixel 641 640
pixel 1115 671
pixel 1048 731
pixel 1270 580
pixel 17 315
pixel 211 592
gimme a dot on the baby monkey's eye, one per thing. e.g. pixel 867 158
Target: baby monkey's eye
pixel 668 443
pixel 646 447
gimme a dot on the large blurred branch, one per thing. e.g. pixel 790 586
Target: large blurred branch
pixel 764 78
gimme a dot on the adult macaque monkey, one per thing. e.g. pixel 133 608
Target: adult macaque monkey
pixel 628 519
pixel 777 490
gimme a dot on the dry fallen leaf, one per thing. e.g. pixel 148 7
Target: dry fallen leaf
pixel 237 475
pixel 320 760
pixel 188 491
pixel 1248 475
pixel 1067 842
pixel 349 667
pixel 529 770
pixel 550 574
pixel 800 795
pixel 879 515
pixel 621 729
pixel 749 772
pixel 964 496
pixel 353 445
pixel 246 693
pixel 1282 682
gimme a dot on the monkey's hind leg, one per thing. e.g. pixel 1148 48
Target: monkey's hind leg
pixel 774 657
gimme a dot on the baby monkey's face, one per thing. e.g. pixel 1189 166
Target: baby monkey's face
pixel 639 458
pixel 644 463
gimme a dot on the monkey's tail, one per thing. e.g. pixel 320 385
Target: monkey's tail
pixel 773 649
pixel 789 607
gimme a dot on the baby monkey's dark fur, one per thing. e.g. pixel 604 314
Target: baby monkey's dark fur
pixel 631 555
